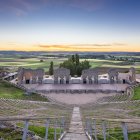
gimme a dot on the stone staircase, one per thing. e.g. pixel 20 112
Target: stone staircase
pixel 76 131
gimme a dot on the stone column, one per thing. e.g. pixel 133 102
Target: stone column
pixel 23 81
pixel 96 79
pixel 59 80
pixel 92 80
pixel 81 80
pixel 31 80
pixel 87 80
pixel 36 79
pixel 64 80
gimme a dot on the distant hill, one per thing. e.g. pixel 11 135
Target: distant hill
pixel 32 53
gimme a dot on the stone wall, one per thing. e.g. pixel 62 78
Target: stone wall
pixel 61 76
pixel 30 76
pixel 129 77
pixel 113 75
pixel 90 76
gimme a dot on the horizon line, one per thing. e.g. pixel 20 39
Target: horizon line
pixel 69 51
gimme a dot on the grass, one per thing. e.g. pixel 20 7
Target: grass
pixel 11 134
pixel 117 133
pixel 131 136
pixel 135 113
pixel 9 91
pixel 41 130
pixel 136 93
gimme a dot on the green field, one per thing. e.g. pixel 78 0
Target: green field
pixel 35 63
pixel 29 63
pixel 8 91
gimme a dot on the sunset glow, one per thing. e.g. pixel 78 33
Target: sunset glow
pixel 76 25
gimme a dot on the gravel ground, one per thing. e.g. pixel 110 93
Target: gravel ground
pixel 77 99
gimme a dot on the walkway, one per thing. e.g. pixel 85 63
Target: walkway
pixel 76 131
pixel 64 87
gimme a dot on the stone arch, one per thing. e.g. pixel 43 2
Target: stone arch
pixel 90 76
pixel 113 76
pixel 30 76
pixel 61 76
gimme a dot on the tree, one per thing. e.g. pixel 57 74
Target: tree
pixel 74 65
pixel 73 58
pixel 77 59
pixel 85 64
pixel 69 65
pixel 51 68
pixel 41 60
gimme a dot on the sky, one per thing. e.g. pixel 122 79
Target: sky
pixel 70 25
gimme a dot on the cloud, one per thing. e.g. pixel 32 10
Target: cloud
pixel 81 47
pixel 77 47
pixel 20 7
pixel 91 45
pixel 119 44
pixel 84 45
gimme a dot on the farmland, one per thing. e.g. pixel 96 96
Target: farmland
pixel 14 62
pixel 28 63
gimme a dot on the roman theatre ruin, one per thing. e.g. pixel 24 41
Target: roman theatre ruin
pixel 91 86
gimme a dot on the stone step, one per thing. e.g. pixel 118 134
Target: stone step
pixel 76 131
